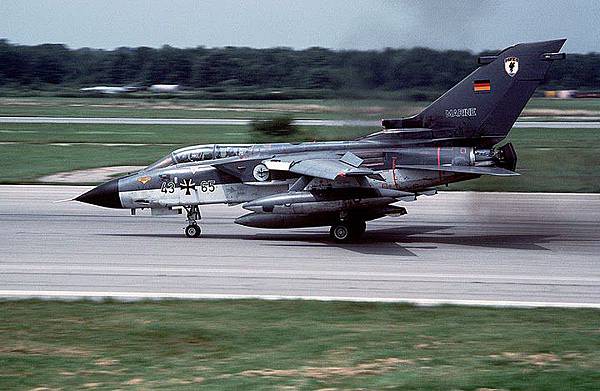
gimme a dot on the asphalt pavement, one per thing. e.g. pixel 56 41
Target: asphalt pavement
pixel 503 249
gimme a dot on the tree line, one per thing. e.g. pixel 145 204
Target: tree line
pixel 231 67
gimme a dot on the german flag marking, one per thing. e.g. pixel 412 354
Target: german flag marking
pixel 482 86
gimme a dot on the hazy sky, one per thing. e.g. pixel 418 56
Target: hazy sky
pixel 336 24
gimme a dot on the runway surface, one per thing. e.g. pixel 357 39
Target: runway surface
pixel 238 121
pixel 466 248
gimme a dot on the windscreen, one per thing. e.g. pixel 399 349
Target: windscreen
pixel 200 153
pixel 223 151
pixel 194 154
pixel 209 152
pixel 162 163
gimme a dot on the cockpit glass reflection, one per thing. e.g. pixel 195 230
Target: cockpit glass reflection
pixel 200 153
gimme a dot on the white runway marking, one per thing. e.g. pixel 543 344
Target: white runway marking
pixel 128 296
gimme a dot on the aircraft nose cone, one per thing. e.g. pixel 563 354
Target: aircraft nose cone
pixel 107 195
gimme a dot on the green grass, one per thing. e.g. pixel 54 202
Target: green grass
pixel 24 163
pixel 192 108
pixel 213 344
pixel 565 104
pixel 549 160
pixel 554 160
pixel 173 108
pixel 559 160
pixel 29 151
pixel 163 134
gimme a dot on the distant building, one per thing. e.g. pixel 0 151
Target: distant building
pixel 110 89
pixel 164 88
pixel 560 94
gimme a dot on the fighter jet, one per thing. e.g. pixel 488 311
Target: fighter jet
pixel 348 183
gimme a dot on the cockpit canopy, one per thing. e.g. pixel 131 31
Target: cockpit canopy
pixel 199 153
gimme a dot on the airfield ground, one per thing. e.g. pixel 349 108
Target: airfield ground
pixel 294 344
pixel 301 108
pixel 557 160
pixel 174 108
pixel 518 249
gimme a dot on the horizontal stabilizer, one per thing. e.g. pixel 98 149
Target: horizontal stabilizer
pixel 475 170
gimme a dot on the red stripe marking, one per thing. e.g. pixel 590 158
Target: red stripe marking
pixel 439 162
pixel 394 171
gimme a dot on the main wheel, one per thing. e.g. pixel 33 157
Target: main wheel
pixel 340 232
pixel 347 231
pixel 192 231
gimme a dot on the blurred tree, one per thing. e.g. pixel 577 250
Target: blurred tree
pixel 232 68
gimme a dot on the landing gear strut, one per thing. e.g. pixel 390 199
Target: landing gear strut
pixel 193 229
pixel 345 231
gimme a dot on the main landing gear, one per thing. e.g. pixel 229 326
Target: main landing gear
pixel 193 229
pixel 345 231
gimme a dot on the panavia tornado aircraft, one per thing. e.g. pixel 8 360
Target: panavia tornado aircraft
pixel 347 183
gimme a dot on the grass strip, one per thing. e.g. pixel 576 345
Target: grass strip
pixel 300 344
pixel 550 160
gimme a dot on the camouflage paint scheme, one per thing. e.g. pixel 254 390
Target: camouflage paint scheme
pixel 346 183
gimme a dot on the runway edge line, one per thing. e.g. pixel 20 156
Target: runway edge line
pixel 131 296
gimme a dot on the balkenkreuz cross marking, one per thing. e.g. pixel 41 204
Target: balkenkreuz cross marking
pixel 188 185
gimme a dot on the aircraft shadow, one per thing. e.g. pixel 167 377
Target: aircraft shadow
pixel 398 241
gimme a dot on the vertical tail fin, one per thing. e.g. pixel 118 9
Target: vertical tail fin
pixel 485 105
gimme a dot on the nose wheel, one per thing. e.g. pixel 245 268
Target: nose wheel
pixel 193 230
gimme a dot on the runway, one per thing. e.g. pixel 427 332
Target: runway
pixel 241 121
pixel 519 249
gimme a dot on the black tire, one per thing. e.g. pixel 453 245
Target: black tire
pixel 358 228
pixel 347 231
pixel 341 232
pixel 193 231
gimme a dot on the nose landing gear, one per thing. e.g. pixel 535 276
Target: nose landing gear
pixel 193 230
